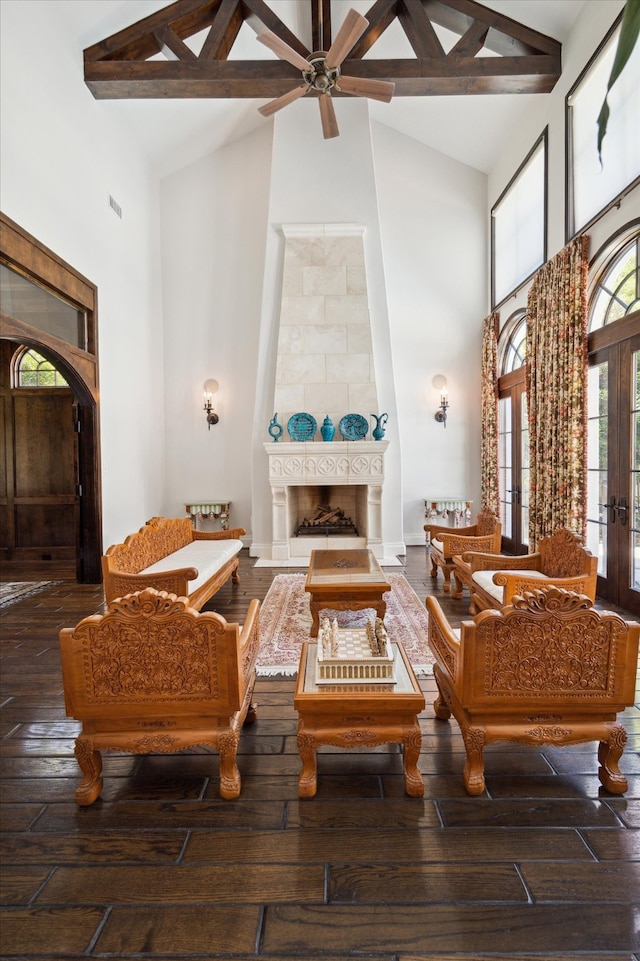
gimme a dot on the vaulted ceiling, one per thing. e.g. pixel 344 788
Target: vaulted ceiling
pixel 189 76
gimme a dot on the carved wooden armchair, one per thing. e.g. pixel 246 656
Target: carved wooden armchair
pixel 494 579
pixel 445 542
pixel 548 669
pixel 153 674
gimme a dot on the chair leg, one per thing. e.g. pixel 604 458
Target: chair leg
pixel 434 566
pixel 90 763
pixel 609 753
pixel 473 774
pixel 458 585
pixel 229 773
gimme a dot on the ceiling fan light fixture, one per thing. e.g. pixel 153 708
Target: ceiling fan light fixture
pixel 321 73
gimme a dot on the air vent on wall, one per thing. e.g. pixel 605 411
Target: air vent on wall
pixel 115 206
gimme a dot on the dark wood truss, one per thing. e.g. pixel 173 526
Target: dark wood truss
pixel 521 60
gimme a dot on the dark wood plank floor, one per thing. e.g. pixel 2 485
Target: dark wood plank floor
pixel 544 865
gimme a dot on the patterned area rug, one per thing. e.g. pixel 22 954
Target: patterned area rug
pixel 285 620
pixel 19 590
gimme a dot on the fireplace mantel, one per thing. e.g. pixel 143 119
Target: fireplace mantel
pixel 335 462
pixel 319 463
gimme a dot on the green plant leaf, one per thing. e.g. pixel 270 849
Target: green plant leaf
pixel 629 30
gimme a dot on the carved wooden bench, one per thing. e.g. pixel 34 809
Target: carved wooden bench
pixel 548 669
pixel 494 579
pixel 444 542
pixel 154 675
pixel 169 555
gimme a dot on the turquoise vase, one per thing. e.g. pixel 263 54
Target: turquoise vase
pixel 381 423
pixel 275 429
pixel 327 430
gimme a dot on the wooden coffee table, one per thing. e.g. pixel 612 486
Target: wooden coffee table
pixel 347 580
pixel 358 715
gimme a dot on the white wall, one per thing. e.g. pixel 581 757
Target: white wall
pixel 214 228
pixel 61 158
pixel 433 236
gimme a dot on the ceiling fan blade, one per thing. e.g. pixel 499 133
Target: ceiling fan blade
pixel 283 101
pixel 360 87
pixel 351 30
pixel 283 50
pixel 328 115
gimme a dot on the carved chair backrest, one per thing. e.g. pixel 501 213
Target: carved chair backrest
pixel 563 555
pixel 151 655
pixel 486 522
pixel 550 645
pixel 158 538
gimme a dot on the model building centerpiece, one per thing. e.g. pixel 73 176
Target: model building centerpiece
pixel 361 654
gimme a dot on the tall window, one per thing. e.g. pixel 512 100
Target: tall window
pixel 513 436
pixel 519 225
pixel 593 186
pixel 31 369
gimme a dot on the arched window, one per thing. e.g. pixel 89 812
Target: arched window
pixel 31 369
pixel 618 291
pixel 513 343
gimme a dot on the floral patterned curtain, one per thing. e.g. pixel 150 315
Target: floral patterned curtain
pixel 489 399
pixel 556 383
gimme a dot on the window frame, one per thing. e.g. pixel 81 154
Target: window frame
pixel 544 140
pixel 570 229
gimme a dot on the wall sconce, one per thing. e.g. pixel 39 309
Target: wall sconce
pixel 440 383
pixel 210 388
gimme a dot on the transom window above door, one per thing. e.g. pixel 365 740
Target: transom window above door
pixel 618 291
pixel 31 369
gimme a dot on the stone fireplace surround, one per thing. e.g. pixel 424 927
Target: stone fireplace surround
pixel 338 464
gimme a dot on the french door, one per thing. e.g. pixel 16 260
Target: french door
pixel 513 462
pixel 613 500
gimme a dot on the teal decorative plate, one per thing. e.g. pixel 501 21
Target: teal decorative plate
pixel 302 427
pixel 353 427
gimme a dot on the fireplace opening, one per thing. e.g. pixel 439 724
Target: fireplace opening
pixel 326 521
pixel 328 510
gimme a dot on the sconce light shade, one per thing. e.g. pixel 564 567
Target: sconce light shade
pixel 440 383
pixel 210 389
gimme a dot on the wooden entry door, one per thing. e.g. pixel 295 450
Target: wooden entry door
pixel 613 526
pixel 41 504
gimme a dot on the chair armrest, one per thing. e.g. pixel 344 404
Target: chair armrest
pixel 515 584
pixel 438 530
pixel 501 562
pixel 234 533
pixel 250 642
pixel 444 644
pixel 161 581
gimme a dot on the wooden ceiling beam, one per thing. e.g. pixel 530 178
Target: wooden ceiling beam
pixel 241 79
pixel 419 30
pixel 137 42
pixel 223 32
pixel 259 15
pixel 119 66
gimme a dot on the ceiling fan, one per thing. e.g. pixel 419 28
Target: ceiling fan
pixel 321 73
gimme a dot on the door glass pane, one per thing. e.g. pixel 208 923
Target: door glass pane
pixel 597 463
pixel 524 472
pixel 504 465
pixel 633 514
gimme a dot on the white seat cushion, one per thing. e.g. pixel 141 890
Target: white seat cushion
pixel 206 556
pixel 438 544
pixel 484 579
